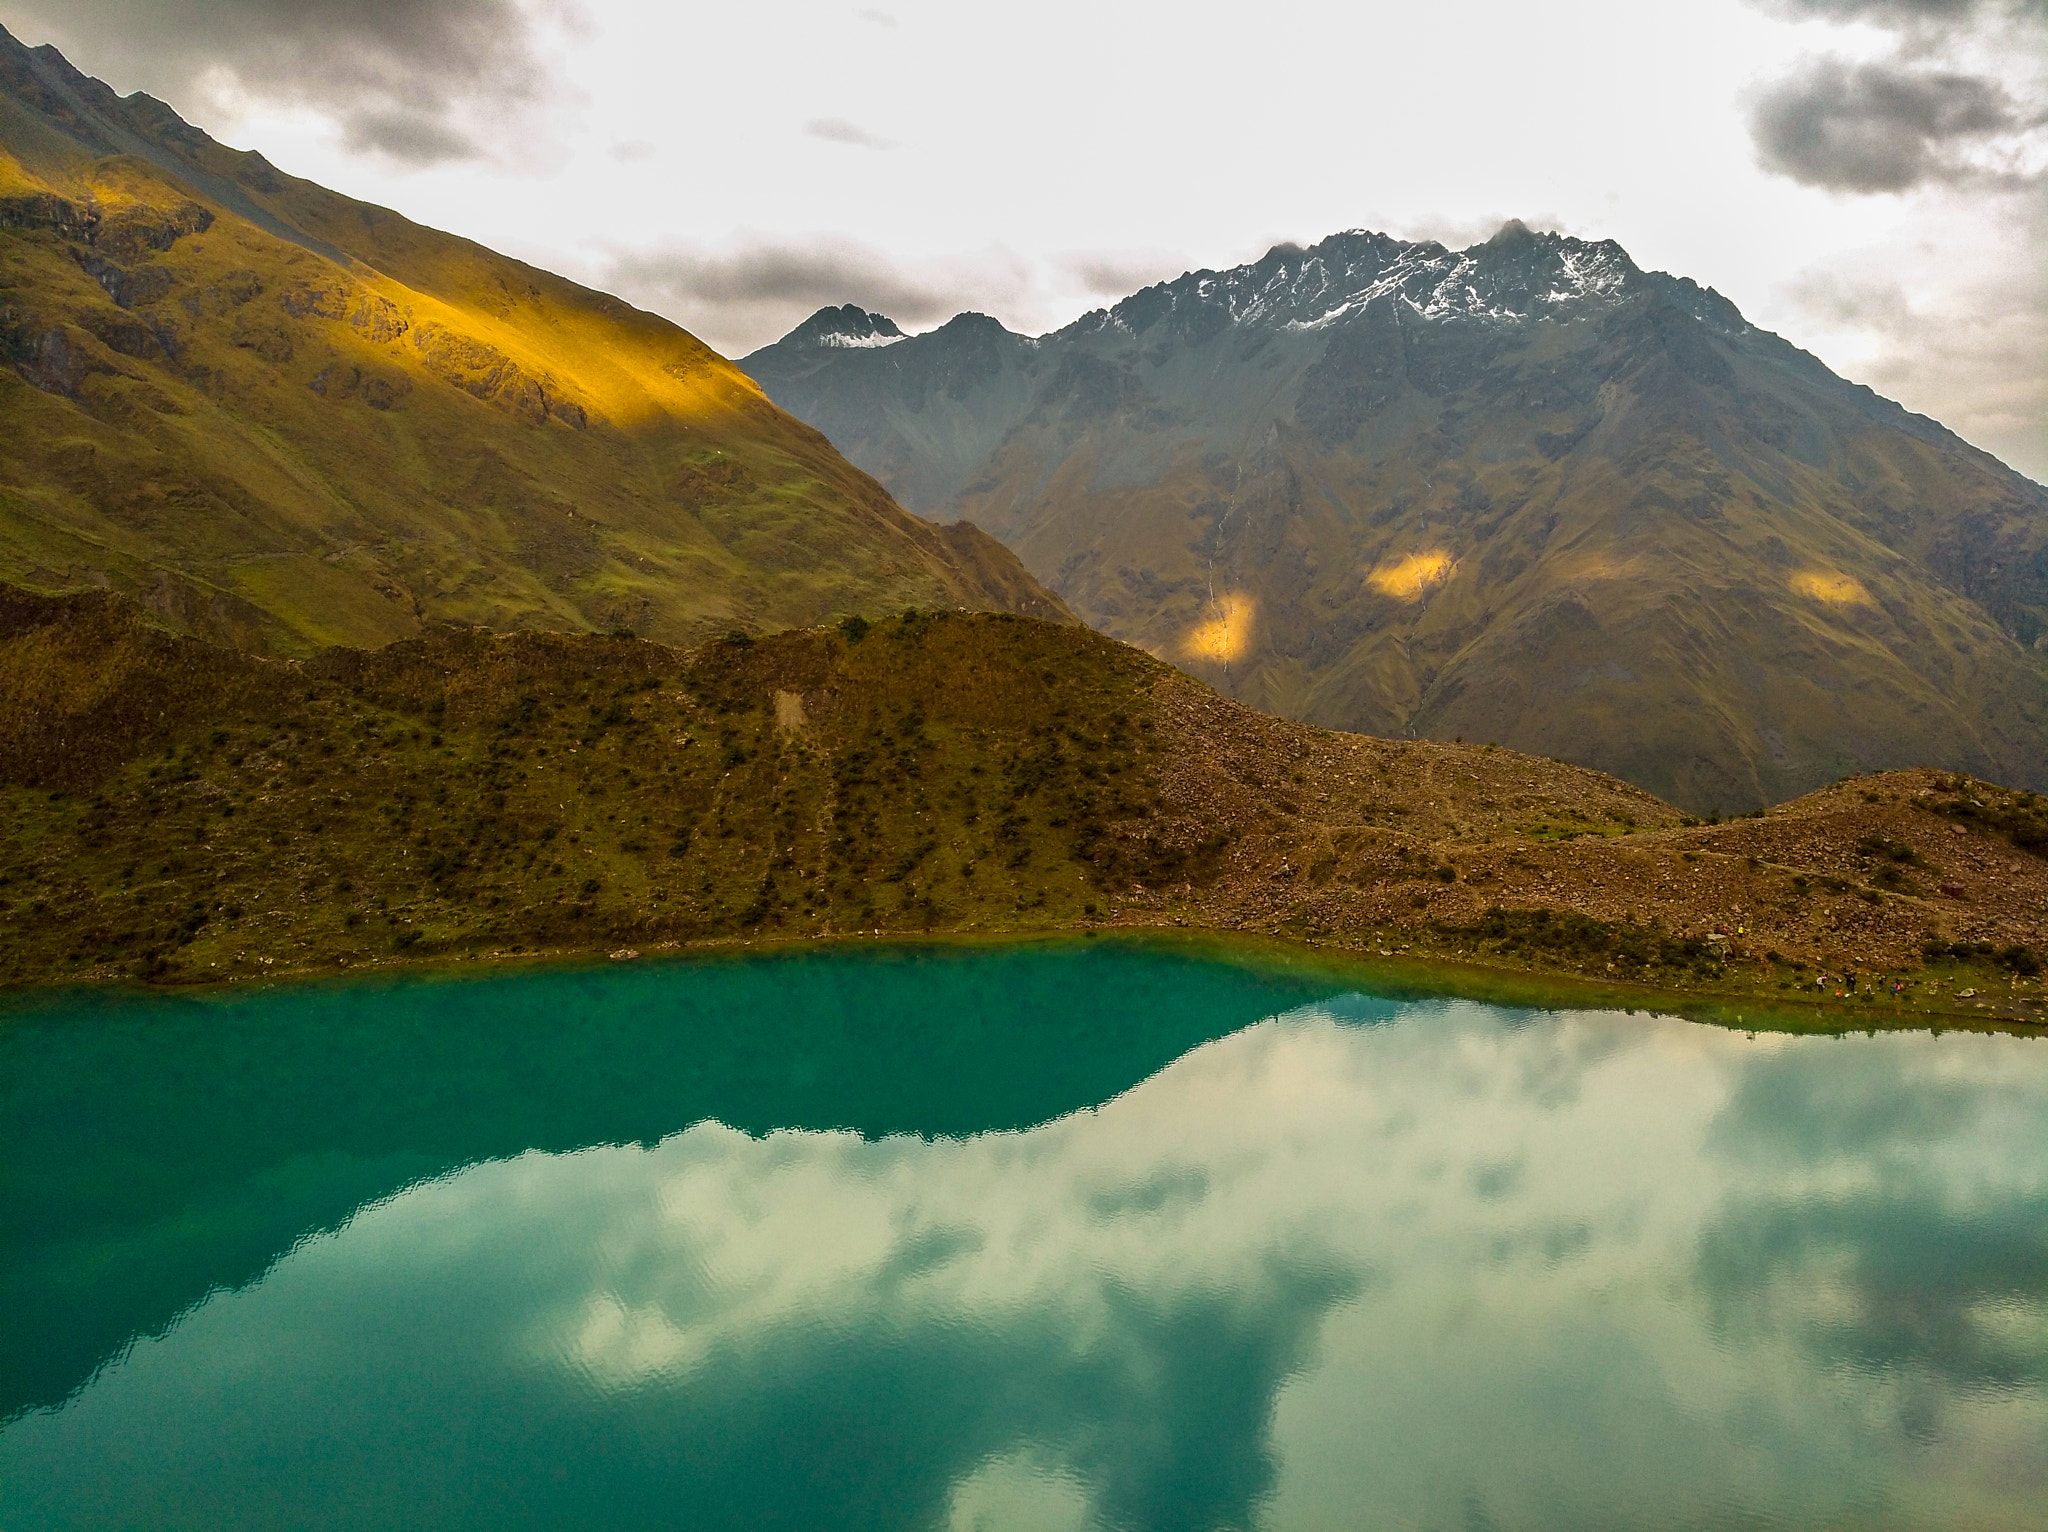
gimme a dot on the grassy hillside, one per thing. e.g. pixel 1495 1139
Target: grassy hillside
pixel 180 812
pixel 288 420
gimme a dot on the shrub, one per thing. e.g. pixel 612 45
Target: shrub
pixel 2021 817
pixel 2014 958
pixel 1581 938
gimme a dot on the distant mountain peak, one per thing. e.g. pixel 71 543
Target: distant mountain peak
pixel 973 322
pixel 1517 275
pixel 1513 232
pixel 848 327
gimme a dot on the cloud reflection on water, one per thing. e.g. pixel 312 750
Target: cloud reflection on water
pixel 1906 1248
pixel 1470 1269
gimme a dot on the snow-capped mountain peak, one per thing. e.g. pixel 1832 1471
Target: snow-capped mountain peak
pixel 848 327
pixel 1517 275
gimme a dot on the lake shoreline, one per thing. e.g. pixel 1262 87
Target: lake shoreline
pixel 1396 972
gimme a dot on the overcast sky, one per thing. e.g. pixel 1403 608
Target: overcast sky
pixel 1864 176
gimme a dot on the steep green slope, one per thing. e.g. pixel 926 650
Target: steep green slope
pixel 1526 493
pixel 289 419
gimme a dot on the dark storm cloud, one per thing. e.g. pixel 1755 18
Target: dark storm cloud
pixel 394 72
pixel 748 295
pixel 1879 127
pixel 414 137
pixel 1903 13
pixel 1883 12
pixel 1915 119
pixel 807 276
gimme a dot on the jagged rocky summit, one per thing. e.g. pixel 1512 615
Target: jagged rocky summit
pixel 1524 492
pixel 848 327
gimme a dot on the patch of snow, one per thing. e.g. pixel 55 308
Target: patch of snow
pixel 859 342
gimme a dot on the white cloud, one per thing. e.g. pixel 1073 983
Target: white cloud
pixel 399 84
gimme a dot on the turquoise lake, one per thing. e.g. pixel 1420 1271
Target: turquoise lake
pixel 1073 1235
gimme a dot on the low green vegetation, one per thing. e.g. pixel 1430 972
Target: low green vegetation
pixel 1623 948
pixel 466 793
pixel 2021 817
pixel 2013 957
pixel 1572 826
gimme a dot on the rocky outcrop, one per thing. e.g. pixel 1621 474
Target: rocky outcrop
pixel 486 373
pixel 57 359
pixel 47 210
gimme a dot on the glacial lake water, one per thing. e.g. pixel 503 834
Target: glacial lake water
pixel 1081 1235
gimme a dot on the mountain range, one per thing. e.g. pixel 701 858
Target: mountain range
pixel 1527 492
pixel 284 418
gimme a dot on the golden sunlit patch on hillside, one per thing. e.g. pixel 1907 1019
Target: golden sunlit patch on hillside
pixel 14 179
pixel 1833 588
pixel 626 371
pixel 1228 632
pixel 1413 577
pixel 1603 566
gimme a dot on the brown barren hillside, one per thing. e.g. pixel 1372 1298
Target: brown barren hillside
pixel 183 812
pixel 287 419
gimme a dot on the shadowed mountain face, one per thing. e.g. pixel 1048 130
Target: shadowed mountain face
pixel 1525 492
pixel 287 419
